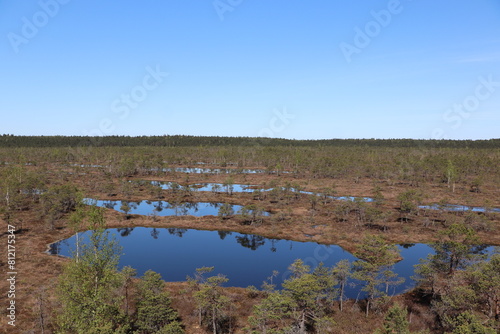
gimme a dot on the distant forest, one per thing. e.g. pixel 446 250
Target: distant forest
pixel 180 141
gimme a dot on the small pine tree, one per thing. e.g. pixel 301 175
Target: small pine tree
pixel 341 273
pixel 154 311
pixel 211 301
pixel 375 267
pixel 395 321
pixel 468 323
pixel 303 289
pixel 88 289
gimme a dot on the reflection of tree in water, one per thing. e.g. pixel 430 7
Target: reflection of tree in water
pixel 407 246
pixel 480 249
pixel 215 205
pixel 158 207
pixel 125 231
pixel 273 245
pixel 181 210
pixel 251 241
pixel 155 233
pixel 223 234
pixel 458 256
pixel 190 206
pixel 55 248
pixel 178 208
pixel 171 205
pixel 179 232
pixel 109 204
pixel 132 205
pixel 174 187
pixel 90 201
pixel 159 184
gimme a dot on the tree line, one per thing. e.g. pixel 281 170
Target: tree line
pixel 7 140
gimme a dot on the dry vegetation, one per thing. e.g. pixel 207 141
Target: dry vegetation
pixel 295 217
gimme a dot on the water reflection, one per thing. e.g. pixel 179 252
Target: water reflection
pixel 155 233
pixel 248 188
pixel 178 232
pixel 198 170
pixel 194 170
pixel 245 258
pixel 251 241
pixel 223 234
pixel 125 231
pixel 212 187
pixel 452 207
pixel 163 208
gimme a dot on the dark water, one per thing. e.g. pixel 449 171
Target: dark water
pixel 215 187
pixel 198 209
pixel 244 258
pixel 163 208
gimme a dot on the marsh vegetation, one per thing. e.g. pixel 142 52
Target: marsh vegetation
pixel 366 196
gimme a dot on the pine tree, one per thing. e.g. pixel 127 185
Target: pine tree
pixel 341 273
pixel 468 323
pixel 212 303
pixel 271 312
pixel 154 311
pixel 88 288
pixel 395 321
pixel 374 266
pixel 485 281
pixel 303 289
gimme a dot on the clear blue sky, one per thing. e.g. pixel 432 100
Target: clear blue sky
pixel 335 69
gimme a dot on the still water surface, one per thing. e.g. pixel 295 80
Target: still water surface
pixel 239 188
pixel 245 259
pixel 163 208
